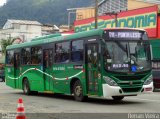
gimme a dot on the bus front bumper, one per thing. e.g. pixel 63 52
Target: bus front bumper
pixel 109 91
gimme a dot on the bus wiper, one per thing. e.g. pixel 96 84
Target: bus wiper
pixel 121 46
pixel 127 51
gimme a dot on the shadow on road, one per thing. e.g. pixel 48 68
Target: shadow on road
pixel 100 101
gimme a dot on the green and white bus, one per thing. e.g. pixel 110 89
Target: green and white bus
pixel 104 63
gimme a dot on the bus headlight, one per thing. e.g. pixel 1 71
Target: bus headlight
pixel 109 81
pixel 149 80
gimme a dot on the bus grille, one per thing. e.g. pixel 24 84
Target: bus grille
pixel 133 83
pixel 130 78
pixel 129 90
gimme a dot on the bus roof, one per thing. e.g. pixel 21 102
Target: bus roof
pixel 58 37
pixel 46 36
pixel 50 39
pixel 125 28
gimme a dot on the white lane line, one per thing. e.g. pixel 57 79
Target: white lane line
pixel 145 99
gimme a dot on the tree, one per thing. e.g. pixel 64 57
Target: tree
pixel 44 11
pixel 5 43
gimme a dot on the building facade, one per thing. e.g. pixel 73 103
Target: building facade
pixel 49 29
pixel 108 6
pixel 136 4
pixel 85 13
pixel 21 29
pixel 105 6
pixel 116 6
pixel 143 14
pixel 144 18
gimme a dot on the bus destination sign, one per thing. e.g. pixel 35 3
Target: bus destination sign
pixel 124 35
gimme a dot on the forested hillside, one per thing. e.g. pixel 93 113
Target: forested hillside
pixel 44 11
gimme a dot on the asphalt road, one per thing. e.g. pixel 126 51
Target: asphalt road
pixel 49 104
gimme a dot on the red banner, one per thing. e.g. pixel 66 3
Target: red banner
pixel 143 18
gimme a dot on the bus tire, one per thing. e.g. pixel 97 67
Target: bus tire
pixel 78 92
pixel 26 87
pixel 117 98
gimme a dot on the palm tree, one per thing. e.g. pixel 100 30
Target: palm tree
pixel 5 43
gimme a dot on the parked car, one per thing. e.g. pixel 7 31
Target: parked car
pixel 2 76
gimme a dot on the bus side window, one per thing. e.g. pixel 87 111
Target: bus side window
pixel 62 52
pixel 77 51
pixel 26 56
pixel 36 54
pixel 10 57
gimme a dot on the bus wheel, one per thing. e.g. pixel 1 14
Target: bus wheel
pixel 26 87
pixel 117 98
pixel 78 91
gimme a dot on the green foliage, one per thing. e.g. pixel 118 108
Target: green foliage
pixel 44 11
pixel 5 43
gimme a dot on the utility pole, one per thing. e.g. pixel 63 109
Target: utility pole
pixel 96 14
pixel 115 17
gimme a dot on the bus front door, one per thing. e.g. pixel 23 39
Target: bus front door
pixel 17 68
pixel 92 68
pixel 47 68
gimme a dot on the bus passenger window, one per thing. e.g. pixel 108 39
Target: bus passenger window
pixel 36 54
pixel 10 57
pixel 77 51
pixel 26 56
pixel 62 52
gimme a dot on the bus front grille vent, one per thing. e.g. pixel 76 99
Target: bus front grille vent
pixel 130 78
pixel 129 90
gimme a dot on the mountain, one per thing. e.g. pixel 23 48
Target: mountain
pixel 44 11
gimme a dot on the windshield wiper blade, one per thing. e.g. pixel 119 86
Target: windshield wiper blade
pixel 121 46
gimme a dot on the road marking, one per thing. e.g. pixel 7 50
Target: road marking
pixel 145 99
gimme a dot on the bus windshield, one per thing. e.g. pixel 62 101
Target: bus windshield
pixel 124 56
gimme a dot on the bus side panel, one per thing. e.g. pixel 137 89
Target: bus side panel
pixel 63 74
pixel 75 71
pixel 10 78
pixel 60 78
pixel 34 74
